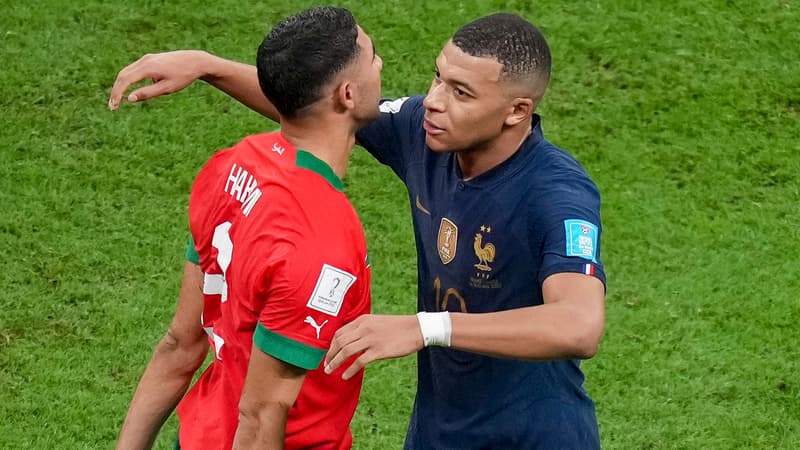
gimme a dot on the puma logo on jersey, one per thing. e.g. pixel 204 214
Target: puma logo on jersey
pixel 310 320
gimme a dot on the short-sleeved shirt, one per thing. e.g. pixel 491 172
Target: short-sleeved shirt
pixel 285 264
pixel 483 245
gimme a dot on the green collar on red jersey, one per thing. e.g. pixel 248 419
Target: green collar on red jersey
pixel 308 161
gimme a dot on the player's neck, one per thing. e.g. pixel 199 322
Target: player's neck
pixel 479 160
pixel 330 141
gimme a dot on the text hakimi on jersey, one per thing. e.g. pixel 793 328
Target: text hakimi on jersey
pixel 243 187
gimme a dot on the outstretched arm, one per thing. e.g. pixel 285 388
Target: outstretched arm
pixel 172 71
pixel 270 389
pixel 169 372
pixel 568 325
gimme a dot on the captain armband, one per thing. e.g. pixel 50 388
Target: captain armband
pixel 436 328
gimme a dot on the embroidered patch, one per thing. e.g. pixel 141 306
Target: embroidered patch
pixel 447 241
pixel 392 106
pixel 484 252
pixel 332 285
pixel 581 239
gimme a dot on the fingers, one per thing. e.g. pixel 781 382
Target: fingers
pixel 170 72
pixel 371 338
pixel 343 346
pixel 357 365
pixel 333 350
pixel 150 91
pixel 163 69
pixel 130 74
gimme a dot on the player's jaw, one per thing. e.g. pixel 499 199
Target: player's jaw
pixel 432 128
pixel 366 73
pixel 436 137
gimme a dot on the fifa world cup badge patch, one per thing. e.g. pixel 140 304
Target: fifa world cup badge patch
pixel 581 239
pixel 332 285
pixel 447 240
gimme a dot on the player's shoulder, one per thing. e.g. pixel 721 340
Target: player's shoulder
pixel 399 105
pixel 550 157
pixel 263 140
pixel 553 164
pixel 558 178
pixel 245 144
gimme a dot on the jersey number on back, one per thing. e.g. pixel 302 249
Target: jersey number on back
pixel 217 284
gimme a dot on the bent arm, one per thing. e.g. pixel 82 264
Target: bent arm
pixel 568 325
pixel 240 81
pixel 270 389
pixel 173 71
pixel 168 374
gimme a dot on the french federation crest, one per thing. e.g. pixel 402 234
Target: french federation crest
pixel 485 253
pixel 448 238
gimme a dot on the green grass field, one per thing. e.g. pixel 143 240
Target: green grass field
pixel 686 114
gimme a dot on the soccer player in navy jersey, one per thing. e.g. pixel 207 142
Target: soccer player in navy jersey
pixel 511 287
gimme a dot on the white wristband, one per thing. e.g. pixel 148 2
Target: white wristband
pixel 435 327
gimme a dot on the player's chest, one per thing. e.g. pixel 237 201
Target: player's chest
pixel 470 232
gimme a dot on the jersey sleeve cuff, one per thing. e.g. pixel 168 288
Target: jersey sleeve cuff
pixel 287 350
pixel 191 253
pixel 585 267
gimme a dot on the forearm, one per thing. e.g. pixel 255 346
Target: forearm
pixel 270 389
pixel 163 384
pixel 238 80
pixel 569 324
pixel 549 331
pixel 262 429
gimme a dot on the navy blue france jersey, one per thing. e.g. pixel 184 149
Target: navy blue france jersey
pixel 486 245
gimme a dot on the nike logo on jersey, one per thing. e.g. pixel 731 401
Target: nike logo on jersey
pixel 310 320
pixel 422 208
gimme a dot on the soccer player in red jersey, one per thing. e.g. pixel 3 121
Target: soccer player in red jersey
pixel 282 260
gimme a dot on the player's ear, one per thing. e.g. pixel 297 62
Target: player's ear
pixel 344 95
pixel 521 109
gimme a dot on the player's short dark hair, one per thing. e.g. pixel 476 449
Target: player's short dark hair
pixel 302 54
pixel 516 44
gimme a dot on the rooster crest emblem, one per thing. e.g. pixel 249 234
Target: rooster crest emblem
pixel 485 253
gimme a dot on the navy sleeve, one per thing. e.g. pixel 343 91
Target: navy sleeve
pixel 388 137
pixel 570 221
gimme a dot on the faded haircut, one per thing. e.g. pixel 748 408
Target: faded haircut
pixel 516 44
pixel 302 54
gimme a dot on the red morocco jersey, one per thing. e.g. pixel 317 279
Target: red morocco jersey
pixel 285 263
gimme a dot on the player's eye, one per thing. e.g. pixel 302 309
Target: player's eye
pixel 459 92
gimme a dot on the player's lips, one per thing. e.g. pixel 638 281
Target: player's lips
pixel 430 128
